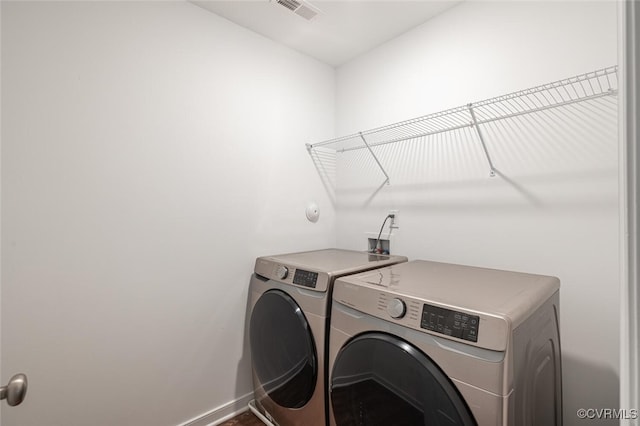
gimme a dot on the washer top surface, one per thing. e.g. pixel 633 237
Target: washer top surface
pixel 335 261
pixel 490 291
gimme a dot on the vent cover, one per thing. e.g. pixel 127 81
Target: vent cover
pixel 299 7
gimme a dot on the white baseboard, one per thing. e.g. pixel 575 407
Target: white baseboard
pixel 222 413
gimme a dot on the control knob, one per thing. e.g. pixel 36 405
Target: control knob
pixel 396 308
pixel 282 272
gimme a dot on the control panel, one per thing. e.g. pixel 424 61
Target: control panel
pixel 290 274
pixel 450 323
pixel 305 278
pixel 422 315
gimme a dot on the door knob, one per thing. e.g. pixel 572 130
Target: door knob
pixel 15 391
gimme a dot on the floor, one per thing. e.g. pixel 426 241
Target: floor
pixel 245 419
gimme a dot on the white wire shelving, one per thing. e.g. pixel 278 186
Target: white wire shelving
pixel 583 87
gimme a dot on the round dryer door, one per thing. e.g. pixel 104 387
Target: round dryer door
pixel 282 349
pixel 381 380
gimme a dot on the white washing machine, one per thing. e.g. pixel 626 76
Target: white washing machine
pixel 290 298
pixel 427 343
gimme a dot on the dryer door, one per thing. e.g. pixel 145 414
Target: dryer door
pixel 282 349
pixel 379 379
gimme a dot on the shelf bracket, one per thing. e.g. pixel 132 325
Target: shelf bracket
pixel 375 158
pixel 474 123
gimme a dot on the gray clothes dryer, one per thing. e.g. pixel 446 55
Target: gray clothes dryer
pixel 290 299
pixel 426 343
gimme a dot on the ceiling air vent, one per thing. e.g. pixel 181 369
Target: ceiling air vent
pixel 299 7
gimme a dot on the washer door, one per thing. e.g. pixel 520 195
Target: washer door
pixel 284 355
pixel 379 379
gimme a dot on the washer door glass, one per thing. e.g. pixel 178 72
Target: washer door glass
pixel 282 349
pixel 379 379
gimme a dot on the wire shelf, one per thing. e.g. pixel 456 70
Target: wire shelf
pixel 580 88
pixel 592 85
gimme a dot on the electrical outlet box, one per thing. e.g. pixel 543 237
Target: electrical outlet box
pixel 395 221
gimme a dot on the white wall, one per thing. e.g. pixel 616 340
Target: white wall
pixel 554 208
pixel 150 151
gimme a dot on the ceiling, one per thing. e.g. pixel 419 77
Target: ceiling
pixel 341 31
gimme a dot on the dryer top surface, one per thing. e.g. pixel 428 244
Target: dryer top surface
pixel 335 261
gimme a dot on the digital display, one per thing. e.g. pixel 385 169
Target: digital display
pixel 305 278
pixel 450 323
